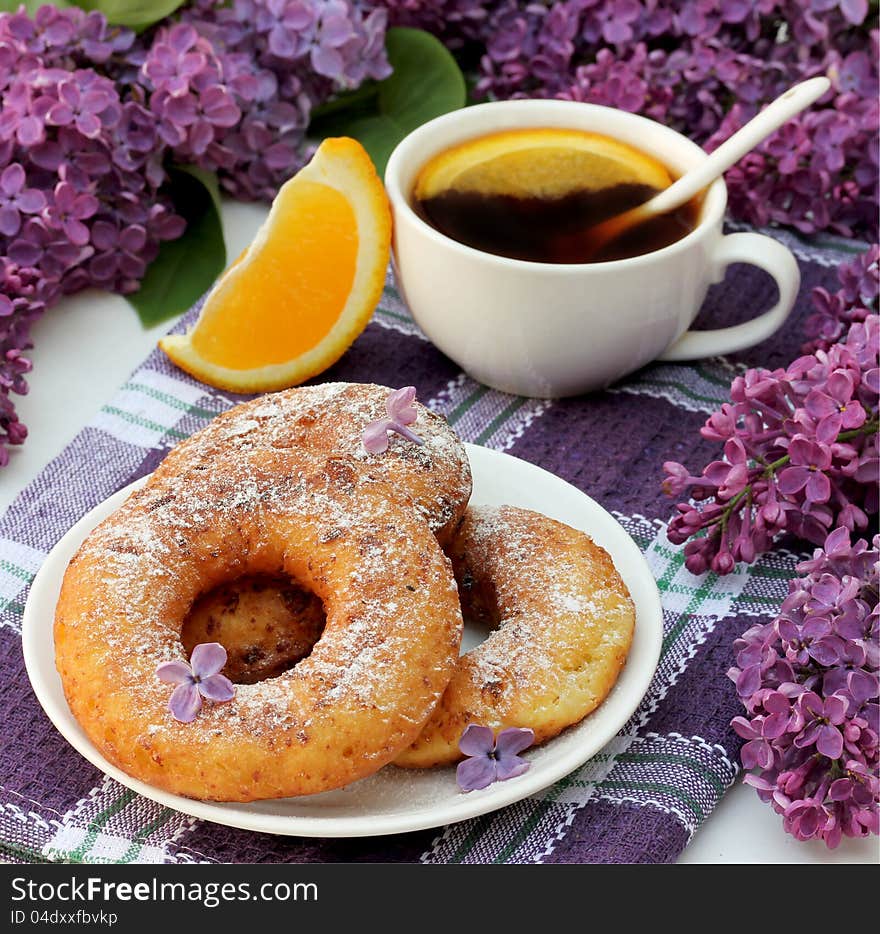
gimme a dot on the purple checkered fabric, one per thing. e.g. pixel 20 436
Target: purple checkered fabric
pixel 640 800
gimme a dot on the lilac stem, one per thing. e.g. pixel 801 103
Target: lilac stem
pixel 407 433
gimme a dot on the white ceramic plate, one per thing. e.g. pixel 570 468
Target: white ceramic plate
pixel 393 800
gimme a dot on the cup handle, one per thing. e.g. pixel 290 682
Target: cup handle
pixel 765 253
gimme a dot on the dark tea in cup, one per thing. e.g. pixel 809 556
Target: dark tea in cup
pixel 532 194
pixel 558 329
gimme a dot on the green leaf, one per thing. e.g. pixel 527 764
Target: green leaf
pixel 31 6
pixel 426 82
pixel 185 268
pixel 138 14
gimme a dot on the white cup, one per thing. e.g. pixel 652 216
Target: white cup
pixel 547 329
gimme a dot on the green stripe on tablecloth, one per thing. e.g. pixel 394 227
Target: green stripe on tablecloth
pixel 569 781
pixel 501 417
pixel 781 574
pixel 137 840
pixel 393 292
pixel 700 594
pixel 16 571
pixel 97 824
pixel 686 590
pixel 476 831
pixel 173 401
pixel 661 788
pixel 465 406
pixel 143 422
pixel 676 562
pixel 711 377
pixel 652 380
pixel 675 759
pixel 540 809
pixel 22 852
pixel 692 761
pixel 387 313
pixel 757 598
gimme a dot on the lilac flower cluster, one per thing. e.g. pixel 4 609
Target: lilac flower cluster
pixel 279 59
pixel 455 22
pixel 90 116
pixel 800 456
pixel 703 67
pixel 80 178
pixel 856 298
pixel 809 684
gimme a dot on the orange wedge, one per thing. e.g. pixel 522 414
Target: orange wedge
pixel 543 162
pixel 296 299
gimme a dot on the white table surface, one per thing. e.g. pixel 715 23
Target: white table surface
pixel 87 345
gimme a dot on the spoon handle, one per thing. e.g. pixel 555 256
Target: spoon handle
pixel 732 150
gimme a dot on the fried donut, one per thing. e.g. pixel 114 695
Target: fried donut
pixel 329 418
pixel 562 623
pixel 388 649
pixel 268 625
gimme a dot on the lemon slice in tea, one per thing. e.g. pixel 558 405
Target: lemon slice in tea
pixel 539 163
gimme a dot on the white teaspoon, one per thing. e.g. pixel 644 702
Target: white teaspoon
pixel 729 152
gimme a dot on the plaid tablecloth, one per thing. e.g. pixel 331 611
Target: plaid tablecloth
pixel 639 800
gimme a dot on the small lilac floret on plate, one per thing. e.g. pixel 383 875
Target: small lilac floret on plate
pixel 492 759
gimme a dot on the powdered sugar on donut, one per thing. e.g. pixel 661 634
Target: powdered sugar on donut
pixel 331 417
pixel 563 623
pixel 248 497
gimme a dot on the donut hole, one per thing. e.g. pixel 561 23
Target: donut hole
pixel 476 631
pixel 266 622
pixel 479 604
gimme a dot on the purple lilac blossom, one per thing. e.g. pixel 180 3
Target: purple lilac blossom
pixel 279 59
pixel 16 200
pixel 851 303
pixel 809 683
pixel 401 413
pixel 199 679
pixel 490 759
pixel 800 455
pixel 74 160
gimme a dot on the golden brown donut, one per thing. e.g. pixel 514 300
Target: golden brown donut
pixel 268 628
pixel 360 697
pixel 562 623
pixel 329 418
pixel 554 599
